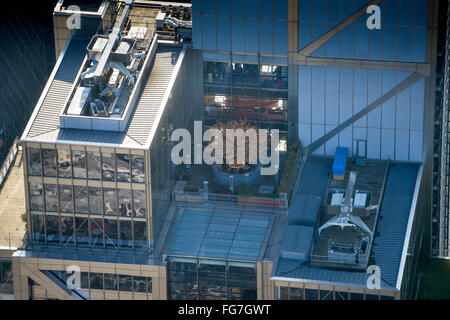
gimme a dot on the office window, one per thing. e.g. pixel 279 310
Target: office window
pixel 209 33
pixel 34 162
pixel 340 295
pixel 126 234
pixel 95 200
pixel 223 34
pixel 94 165
pixel 110 281
pixel 65 198
pixel 356 296
pixel 79 164
pixel 266 36
pixel 125 283
pixel 96 280
pixel 123 167
pixel 111 234
pixel 51 197
pixel 108 167
pixel 137 169
pixel 36 197
pixel 52 225
pixel 284 293
pixel 280 45
pixel 67 229
pixel 97 232
pixel 296 293
pixel 237 34
pixel 82 231
pixel 125 202
pixel 110 201
pixel 64 164
pixel 140 204
pixel 140 234
pixel 49 160
pixel 84 280
pixel 139 284
pixel 237 8
pixel 251 35
pixel 37 227
pixel 311 294
pixel 81 199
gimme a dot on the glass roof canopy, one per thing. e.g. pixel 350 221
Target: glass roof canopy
pixel 219 235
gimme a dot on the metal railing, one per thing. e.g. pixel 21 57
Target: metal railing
pixel 9 160
pixel 254 201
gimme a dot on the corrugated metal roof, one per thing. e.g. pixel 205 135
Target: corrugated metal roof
pixel 150 101
pixel 388 243
pixel 47 118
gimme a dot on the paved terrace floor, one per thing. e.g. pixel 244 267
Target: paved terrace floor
pixel 12 206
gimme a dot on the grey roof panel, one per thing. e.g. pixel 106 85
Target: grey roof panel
pixel 304 210
pixel 150 101
pixel 47 118
pixel 297 242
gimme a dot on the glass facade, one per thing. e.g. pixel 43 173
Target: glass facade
pixel 242 91
pixel 198 279
pixel 303 293
pixel 250 27
pixel 328 96
pixel 111 282
pixel 6 277
pixel 401 38
pixel 64 214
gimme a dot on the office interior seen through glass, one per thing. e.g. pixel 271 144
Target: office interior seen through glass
pixel 252 92
pixel 198 279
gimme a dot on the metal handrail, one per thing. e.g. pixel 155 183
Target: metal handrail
pixel 9 160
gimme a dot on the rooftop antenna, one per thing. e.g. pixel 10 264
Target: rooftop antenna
pixel 346 218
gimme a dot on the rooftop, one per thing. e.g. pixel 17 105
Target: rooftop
pixel 50 122
pixel 12 200
pixel 389 235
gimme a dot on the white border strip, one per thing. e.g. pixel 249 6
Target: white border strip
pixel 412 212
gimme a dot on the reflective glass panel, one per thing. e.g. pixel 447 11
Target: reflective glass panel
pixel 34 162
pixel 125 208
pixel 140 204
pixel 123 167
pixel 97 232
pixel 65 198
pixel 94 165
pixel 95 200
pixel 96 280
pixel 110 198
pixel 49 160
pixel 51 197
pixel 79 164
pixel 140 234
pixel 67 230
pixel 111 235
pixel 137 169
pixel 64 164
pixel 81 199
pixel 139 284
pixel 126 238
pixel 52 223
pixel 125 283
pixel 37 227
pixel 110 281
pixel 109 167
pixel 82 231
pixel 36 197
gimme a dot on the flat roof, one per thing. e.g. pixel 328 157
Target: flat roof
pixel 215 233
pixel 44 124
pixel 391 231
pixel 12 200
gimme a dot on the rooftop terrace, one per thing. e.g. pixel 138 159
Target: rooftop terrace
pixel 12 206
pixel 390 229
